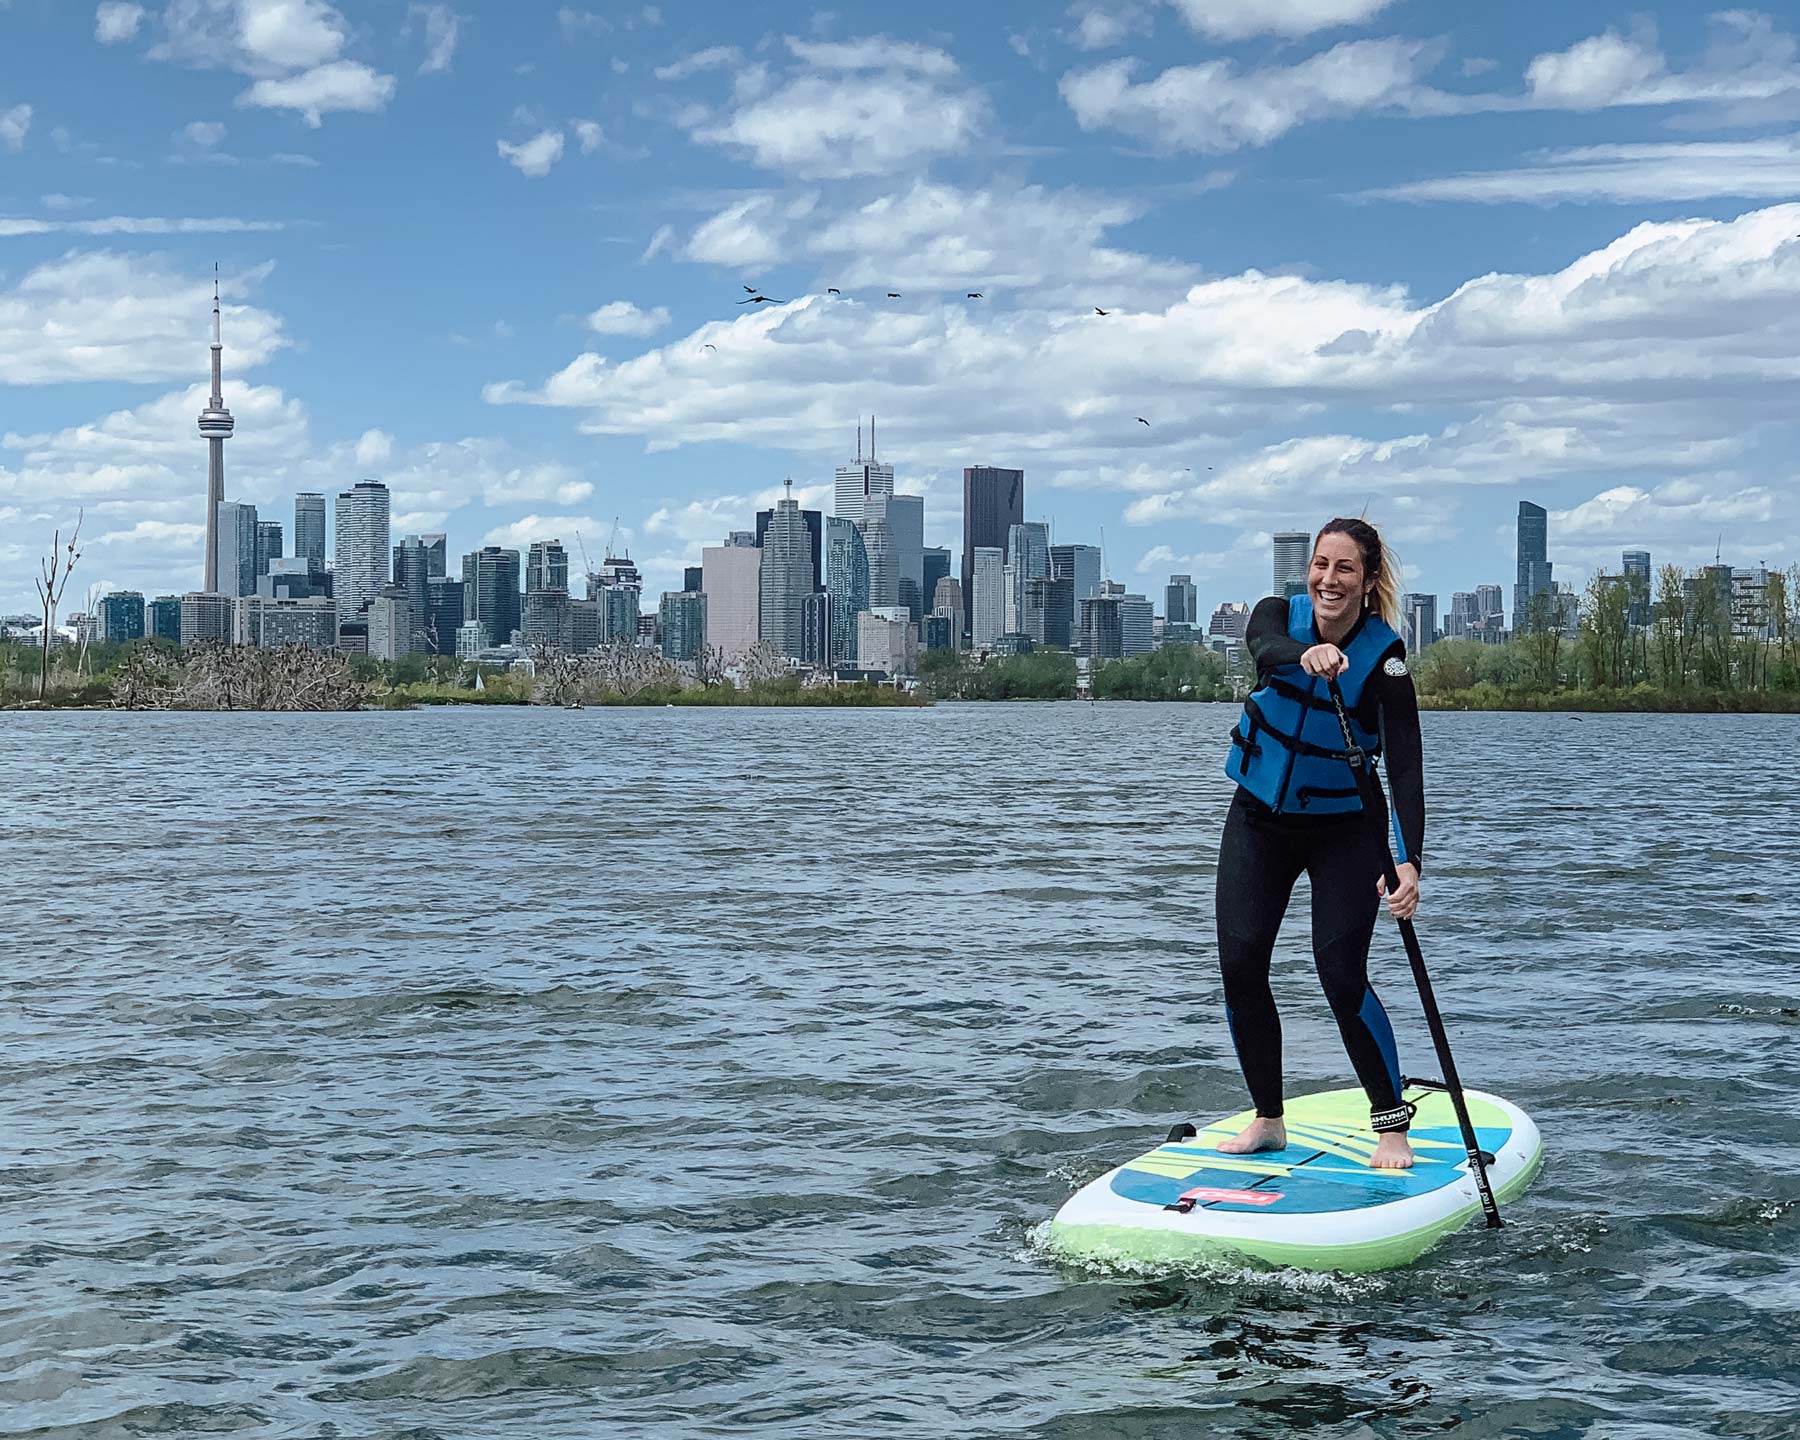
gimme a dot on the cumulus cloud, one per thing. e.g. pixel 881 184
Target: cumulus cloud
pixel 1241 19
pixel 116 22
pixel 588 135
pixel 14 123
pixel 341 85
pixel 203 133
pixel 535 156
pixel 621 317
pixel 1215 107
pixel 1102 27
pixel 857 107
pixel 101 316
pixel 1747 60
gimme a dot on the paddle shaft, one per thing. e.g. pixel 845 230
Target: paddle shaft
pixel 1375 806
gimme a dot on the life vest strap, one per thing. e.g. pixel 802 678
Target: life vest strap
pixel 1294 742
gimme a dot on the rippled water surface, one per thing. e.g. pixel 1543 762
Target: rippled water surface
pixel 685 1073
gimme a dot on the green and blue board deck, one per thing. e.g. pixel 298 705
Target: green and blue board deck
pixel 1317 1204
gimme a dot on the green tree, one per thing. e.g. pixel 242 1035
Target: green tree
pixel 1542 641
pixel 1173 672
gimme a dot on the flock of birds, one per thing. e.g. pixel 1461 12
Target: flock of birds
pixel 754 296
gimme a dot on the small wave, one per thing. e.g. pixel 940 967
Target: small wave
pixel 1249 1276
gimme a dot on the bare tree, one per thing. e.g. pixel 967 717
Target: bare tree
pixel 762 663
pixel 709 667
pixel 53 579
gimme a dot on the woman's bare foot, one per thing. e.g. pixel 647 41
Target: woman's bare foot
pixel 1393 1151
pixel 1261 1134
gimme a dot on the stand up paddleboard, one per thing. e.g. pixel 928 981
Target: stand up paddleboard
pixel 1317 1204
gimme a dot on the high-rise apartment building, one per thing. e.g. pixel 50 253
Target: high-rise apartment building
pixel 993 502
pixel 1463 616
pixel 789 573
pixel 1229 621
pixel 390 624
pixel 847 584
pixel 205 616
pixel 364 547
pixel 444 606
pixel 731 577
pixel 1534 577
pixel 1636 568
pixel 491 594
pixel 987 574
pixel 1137 627
pixel 683 623
pixel 412 572
pixel 1418 621
pixel 121 616
pixel 1100 631
pixel 309 529
pixel 235 566
pixel 1047 612
pixel 268 545
pixel 163 619
pixel 1293 556
pixel 547 567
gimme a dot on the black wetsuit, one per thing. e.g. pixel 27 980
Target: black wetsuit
pixel 1262 854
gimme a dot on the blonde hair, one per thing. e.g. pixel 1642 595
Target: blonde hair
pixel 1380 564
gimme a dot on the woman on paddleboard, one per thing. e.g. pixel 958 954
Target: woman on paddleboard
pixel 1297 810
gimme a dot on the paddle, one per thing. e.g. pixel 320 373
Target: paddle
pixel 1375 806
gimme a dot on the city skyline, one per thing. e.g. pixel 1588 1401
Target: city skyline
pixel 1420 295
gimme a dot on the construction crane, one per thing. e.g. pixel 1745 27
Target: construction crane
pixel 612 540
pixel 586 564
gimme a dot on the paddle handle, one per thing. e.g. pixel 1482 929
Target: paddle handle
pixel 1374 806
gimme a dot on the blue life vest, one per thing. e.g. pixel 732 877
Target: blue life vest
pixel 1288 748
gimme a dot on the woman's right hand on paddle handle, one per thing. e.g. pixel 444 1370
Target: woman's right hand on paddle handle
pixel 1325 661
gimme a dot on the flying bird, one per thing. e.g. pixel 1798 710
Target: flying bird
pixel 975 295
pixel 833 290
pixel 749 289
pixel 762 300
pixel 893 294
pixel 710 346
pixel 1099 311
pixel 1142 421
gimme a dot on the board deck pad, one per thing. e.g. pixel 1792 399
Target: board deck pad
pixel 1317 1203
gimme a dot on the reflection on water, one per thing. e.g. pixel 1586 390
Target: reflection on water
pixel 675 1073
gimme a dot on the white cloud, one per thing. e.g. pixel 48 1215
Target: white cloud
pixel 141 225
pixel 291 34
pixel 588 134
pixel 1102 27
pixel 744 234
pixel 1214 107
pixel 1241 19
pixel 373 448
pixel 116 22
pixel 341 85
pixel 621 317
pixel 442 29
pixel 714 57
pixel 14 124
pixel 1599 71
pixel 535 156
pixel 1764 169
pixel 100 316
pixel 1747 61
pixel 857 107
pixel 203 133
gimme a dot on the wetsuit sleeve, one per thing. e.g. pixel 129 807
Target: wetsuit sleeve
pixel 1267 637
pixel 1405 753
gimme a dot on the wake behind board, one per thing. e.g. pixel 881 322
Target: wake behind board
pixel 1317 1204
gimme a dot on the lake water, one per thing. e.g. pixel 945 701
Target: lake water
pixel 700 1072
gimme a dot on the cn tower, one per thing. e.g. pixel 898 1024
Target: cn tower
pixel 215 428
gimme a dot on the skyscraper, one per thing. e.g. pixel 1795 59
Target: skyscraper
pixel 547 567
pixel 815 537
pixel 1418 621
pixel 215 428
pixel 309 529
pixel 268 545
pixel 443 614
pixel 162 619
pixel 936 566
pixel 364 552
pixel 683 617
pixel 1463 616
pixel 1100 632
pixel 1534 576
pixel 993 501
pixel 1293 554
pixel 413 574
pixel 855 483
pixel 847 583
pixel 1027 558
pixel 1080 566
pixel 732 579
pixel 988 610
pixel 947 604
pixel 878 540
pixel 491 593
pixel 790 569
pixel 1181 601
pixel 1637 575
pixel 122 616
pixel 234 567
pixel 906 526
pixel 1136 628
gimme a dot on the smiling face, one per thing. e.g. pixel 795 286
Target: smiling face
pixel 1337 583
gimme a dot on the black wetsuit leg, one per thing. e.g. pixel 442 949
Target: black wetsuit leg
pixel 1256 875
pixel 1260 858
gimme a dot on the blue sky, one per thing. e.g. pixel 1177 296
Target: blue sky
pixel 1428 260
